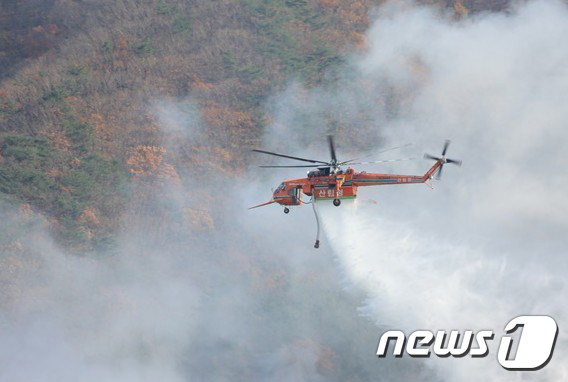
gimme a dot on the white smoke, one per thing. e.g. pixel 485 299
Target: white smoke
pixel 196 287
pixel 488 243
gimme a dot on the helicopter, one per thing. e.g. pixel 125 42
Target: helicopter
pixel 328 181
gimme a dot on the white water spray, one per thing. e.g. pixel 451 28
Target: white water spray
pixel 417 282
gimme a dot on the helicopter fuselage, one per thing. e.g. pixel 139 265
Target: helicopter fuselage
pixel 342 185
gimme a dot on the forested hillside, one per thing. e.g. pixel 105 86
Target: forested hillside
pixel 80 82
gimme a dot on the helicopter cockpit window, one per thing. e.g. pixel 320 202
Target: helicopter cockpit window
pixel 282 187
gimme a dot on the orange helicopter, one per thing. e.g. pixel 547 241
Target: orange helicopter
pixel 329 181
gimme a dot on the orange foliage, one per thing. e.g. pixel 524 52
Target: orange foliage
pixel 71 99
pixel 329 3
pixel 103 131
pixel 87 232
pixel 97 117
pixel 460 9
pixel 89 217
pixel 360 40
pixel 221 117
pixel 223 154
pixel 200 85
pixel 145 160
pixel 354 13
pixel 168 172
pixel 198 219
pixel 25 211
pixel 118 65
pixel 39 40
pixel 122 43
pixel 98 121
pixel 217 159
pixel 59 140
pixel 52 29
pixel 216 116
pixel 75 162
pixel 54 173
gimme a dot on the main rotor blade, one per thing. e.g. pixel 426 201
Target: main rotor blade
pixel 446 144
pixel 307 165
pixel 394 148
pixel 331 148
pixel 454 161
pixel 428 156
pixel 289 157
pixel 439 173
pixel 380 161
pixel 389 149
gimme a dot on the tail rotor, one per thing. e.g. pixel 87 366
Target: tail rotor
pixel 443 159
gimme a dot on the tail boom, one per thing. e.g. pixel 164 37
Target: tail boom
pixel 429 174
pixel 363 179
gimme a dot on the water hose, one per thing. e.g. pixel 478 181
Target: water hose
pixel 317 244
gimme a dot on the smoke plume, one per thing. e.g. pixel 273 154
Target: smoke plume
pixel 487 244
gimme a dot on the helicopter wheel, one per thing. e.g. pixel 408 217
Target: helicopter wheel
pixel 336 202
pixel 286 210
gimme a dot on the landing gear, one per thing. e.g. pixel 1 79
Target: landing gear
pixel 286 210
pixel 317 244
pixel 336 202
